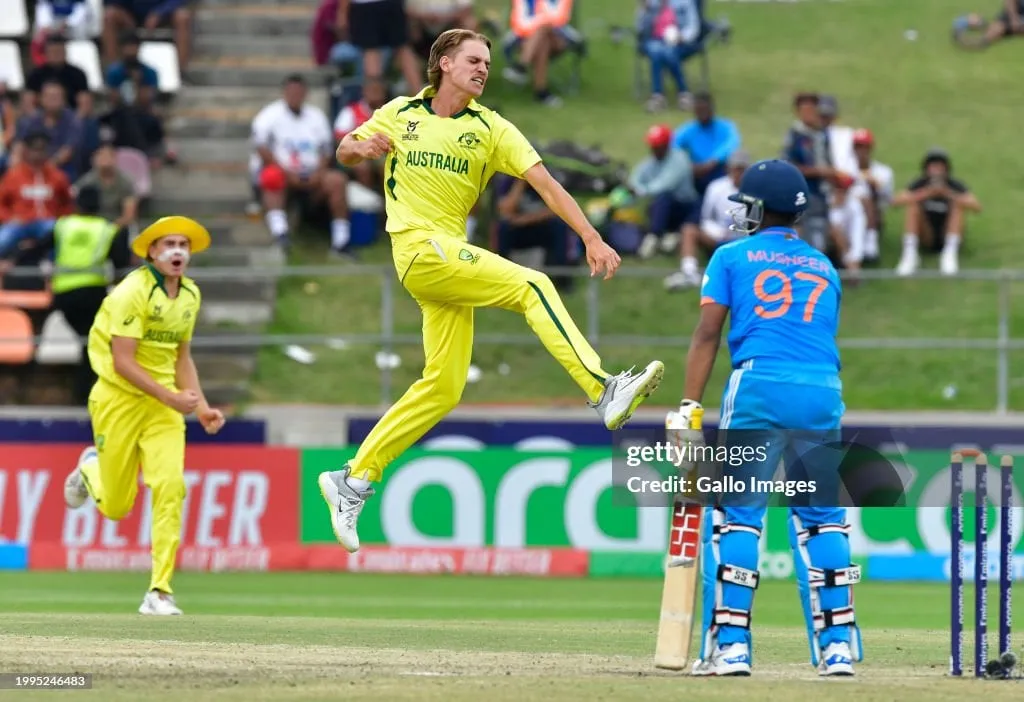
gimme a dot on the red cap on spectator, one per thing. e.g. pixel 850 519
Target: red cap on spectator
pixel 863 137
pixel 659 135
pixel 272 179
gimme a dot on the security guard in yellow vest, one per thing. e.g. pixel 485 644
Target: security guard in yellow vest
pixel 82 244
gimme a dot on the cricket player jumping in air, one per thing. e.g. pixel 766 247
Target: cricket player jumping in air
pixel 784 393
pixel 442 148
pixel 139 347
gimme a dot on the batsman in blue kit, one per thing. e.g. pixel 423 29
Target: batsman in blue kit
pixel 784 394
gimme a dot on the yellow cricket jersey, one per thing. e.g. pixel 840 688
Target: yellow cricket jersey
pixel 439 166
pixel 140 309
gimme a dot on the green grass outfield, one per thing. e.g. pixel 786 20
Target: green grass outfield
pixel 912 94
pixel 317 636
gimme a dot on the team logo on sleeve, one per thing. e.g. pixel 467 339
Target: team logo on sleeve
pixel 468 256
pixel 129 319
pixel 469 140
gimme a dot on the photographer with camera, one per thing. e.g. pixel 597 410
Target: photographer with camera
pixel 935 206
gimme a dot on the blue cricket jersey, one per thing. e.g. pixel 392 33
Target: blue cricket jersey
pixel 783 297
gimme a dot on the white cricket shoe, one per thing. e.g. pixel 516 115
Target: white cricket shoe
pixel 159 604
pixel 909 262
pixel 733 659
pixel 680 280
pixel 345 503
pixel 624 392
pixel 836 660
pixel 75 492
pixel 949 262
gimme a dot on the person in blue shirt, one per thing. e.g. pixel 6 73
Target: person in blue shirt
pixel 783 400
pixel 665 179
pixel 708 140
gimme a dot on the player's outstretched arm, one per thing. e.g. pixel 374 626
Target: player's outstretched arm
pixel 700 359
pixel 187 378
pixel 600 256
pixel 352 151
pixel 123 350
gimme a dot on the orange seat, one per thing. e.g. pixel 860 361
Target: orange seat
pixel 27 299
pixel 17 345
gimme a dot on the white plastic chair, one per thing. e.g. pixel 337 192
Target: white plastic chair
pixel 58 343
pixel 162 57
pixel 84 54
pixel 11 70
pixel 14 19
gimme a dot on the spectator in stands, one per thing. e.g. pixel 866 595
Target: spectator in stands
pixel 709 141
pixel 69 18
pixel 294 157
pixel 806 146
pixel 33 194
pixel 715 221
pixel 840 137
pixel 56 68
pixel 936 204
pixel 429 18
pixel 132 91
pixel 541 32
pixel 527 224
pixel 118 202
pixel 81 244
pixel 62 127
pixel 876 182
pixel 375 95
pixel 849 223
pixel 666 179
pixel 330 40
pixel 8 125
pixel 123 15
pixel 668 33
pixel 380 27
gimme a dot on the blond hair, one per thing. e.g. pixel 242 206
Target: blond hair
pixel 448 45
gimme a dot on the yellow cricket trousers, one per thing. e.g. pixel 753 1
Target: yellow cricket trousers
pixel 449 277
pixel 129 430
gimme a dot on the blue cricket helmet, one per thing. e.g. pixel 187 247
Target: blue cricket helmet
pixel 768 186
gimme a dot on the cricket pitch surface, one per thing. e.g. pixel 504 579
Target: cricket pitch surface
pixel 336 636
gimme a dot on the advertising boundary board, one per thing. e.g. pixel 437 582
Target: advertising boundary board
pixel 79 431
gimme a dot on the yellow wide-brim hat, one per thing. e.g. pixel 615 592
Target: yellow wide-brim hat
pixel 198 237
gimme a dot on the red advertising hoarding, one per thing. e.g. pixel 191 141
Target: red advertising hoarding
pixel 241 512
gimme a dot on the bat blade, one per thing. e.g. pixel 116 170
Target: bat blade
pixel 679 591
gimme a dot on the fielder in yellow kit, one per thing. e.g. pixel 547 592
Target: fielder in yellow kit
pixel 139 347
pixel 442 148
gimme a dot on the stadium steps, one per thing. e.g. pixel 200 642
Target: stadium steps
pixel 243 50
pixel 255 20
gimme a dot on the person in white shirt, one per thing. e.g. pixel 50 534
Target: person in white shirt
pixel 293 155
pixel 848 220
pixel 840 137
pixel 715 222
pixel 877 183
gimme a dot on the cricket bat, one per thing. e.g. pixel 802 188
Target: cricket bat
pixel 679 591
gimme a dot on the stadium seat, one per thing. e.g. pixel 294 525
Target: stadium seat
pixel 135 165
pixel 17 346
pixel 11 70
pixel 26 299
pixel 58 343
pixel 86 55
pixel 14 19
pixel 162 57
